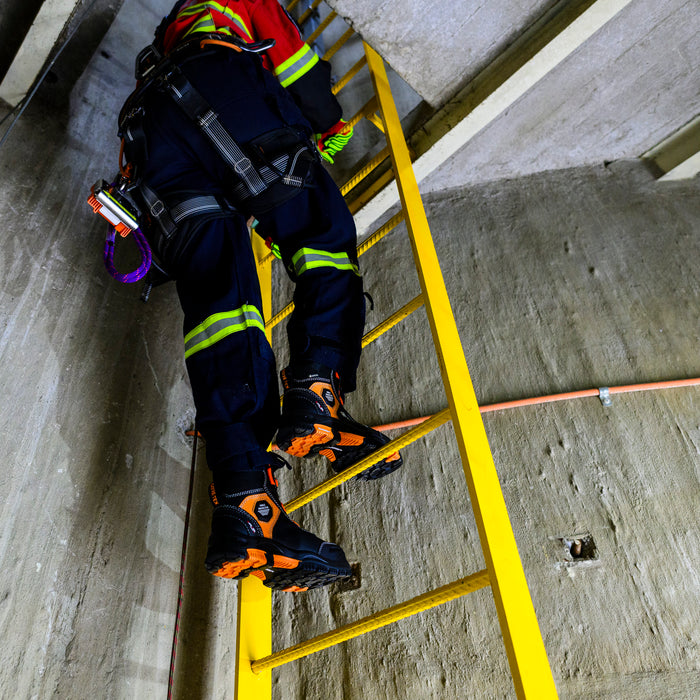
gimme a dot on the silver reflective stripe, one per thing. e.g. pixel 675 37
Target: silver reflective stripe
pixel 296 66
pixel 231 153
pixel 196 205
pixel 221 325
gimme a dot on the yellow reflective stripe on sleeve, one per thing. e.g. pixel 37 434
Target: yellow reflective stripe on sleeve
pixel 227 12
pixel 296 66
pixel 206 24
pixel 221 325
pixel 310 259
pixel 238 21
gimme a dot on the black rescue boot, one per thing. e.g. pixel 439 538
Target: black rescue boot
pixel 252 535
pixel 314 421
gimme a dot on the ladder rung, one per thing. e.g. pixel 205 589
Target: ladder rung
pixel 309 12
pixel 338 44
pixel 372 190
pixel 398 612
pixel 383 327
pixel 377 456
pixel 349 75
pixel 376 120
pixel 370 106
pixel 292 5
pixel 380 233
pixel 393 320
pixel 280 316
pixel 268 259
pixel 359 176
pixel 322 27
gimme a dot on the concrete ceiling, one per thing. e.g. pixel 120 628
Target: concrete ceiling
pixel 439 46
pixel 521 91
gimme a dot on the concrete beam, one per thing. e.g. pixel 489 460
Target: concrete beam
pixel 500 99
pixel 36 48
pixel 677 157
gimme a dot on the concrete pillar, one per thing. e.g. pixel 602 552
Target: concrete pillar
pixel 36 48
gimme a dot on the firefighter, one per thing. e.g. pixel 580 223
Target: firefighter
pixel 232 111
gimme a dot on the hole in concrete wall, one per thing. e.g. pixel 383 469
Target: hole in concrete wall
pixel 581 547
pixel 352 583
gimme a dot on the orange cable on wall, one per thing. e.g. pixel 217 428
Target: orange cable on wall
pixel 583 393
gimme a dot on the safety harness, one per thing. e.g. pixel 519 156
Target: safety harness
pixel 266 172
pixel 282 156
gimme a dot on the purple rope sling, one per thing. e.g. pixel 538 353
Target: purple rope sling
pixel 144 249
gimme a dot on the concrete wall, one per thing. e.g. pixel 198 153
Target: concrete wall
pixel 15 19
pixel 559 281
pixel 95 462
pixel 27 51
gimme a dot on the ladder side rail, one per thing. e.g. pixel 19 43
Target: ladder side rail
pixel 527 657
pixel 254 618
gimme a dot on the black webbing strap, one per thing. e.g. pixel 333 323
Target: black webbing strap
pixel 170 215
pixel 199 205
pixel 158 210
pixel 198 109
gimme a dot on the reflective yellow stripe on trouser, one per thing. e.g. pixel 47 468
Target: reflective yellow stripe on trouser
pixel 309 259
pixel 221 325
pixel 295 66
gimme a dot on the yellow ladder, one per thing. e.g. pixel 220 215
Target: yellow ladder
pixel 529 666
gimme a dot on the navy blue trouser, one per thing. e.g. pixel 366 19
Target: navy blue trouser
pixel 230 363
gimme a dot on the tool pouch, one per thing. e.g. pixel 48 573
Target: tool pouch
pixel 283 158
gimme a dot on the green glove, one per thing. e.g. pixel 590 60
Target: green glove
pixel 331 142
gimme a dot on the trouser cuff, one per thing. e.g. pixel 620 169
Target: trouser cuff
pixel 234 447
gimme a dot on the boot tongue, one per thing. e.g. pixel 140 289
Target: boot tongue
pixel 276 462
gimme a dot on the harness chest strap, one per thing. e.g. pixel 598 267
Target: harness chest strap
pixel 198 109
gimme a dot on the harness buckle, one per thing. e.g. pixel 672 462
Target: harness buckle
pixel 146 61
pixel 243 165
